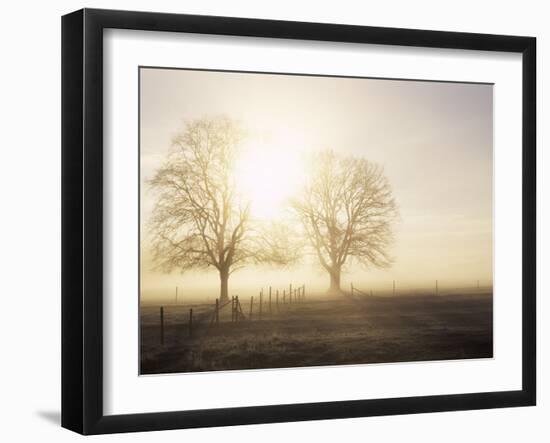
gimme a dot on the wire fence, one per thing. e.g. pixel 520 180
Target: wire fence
pixel 199 325
pixel 434 289
pixel 199 321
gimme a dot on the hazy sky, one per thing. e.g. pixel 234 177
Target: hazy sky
pixel 434 141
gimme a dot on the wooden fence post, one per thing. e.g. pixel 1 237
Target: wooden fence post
pixel 304 292
pixel 277 300
pixel 191 322
pixel 270 300
pixel 162 325
pixel 251 304
pixel 290 293
pixel 284 296
pixel 261 303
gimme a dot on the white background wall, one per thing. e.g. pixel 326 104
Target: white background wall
pixel 30 219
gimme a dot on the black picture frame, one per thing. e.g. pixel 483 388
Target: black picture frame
pixel 82 219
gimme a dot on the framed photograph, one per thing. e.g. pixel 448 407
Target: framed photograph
pixel 269 221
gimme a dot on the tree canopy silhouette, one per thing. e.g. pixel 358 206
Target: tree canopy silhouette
pixel 198 220
pixel 346 209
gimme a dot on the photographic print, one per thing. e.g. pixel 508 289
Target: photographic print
pixel 308 220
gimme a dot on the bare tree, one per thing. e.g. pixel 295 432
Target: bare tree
pixel 346 209
pixel 198 220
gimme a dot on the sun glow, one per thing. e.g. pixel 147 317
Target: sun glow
pixel 269 173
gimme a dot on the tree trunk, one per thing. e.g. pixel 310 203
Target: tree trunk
pixel 224 286
pixel 334 281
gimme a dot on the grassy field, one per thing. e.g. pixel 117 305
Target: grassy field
pixel 320 332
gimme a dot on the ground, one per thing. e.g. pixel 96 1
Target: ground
pixel 319 332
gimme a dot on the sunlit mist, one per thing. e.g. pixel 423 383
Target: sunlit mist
pixel 425 149
pixel 269 170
